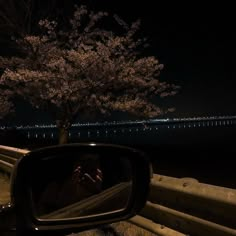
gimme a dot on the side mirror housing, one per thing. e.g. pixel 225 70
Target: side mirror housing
pixel 73 187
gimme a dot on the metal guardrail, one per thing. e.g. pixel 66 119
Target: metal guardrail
pixel 9 156
pixel 175 207
pixel 187 207
pixel 12 151
pixel 150 225
pixel 6 167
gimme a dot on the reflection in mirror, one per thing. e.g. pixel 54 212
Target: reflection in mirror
pixel 82 184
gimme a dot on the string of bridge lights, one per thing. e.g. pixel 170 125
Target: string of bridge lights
pixel 224 119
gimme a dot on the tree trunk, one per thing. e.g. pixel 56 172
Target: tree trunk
pixel 63 135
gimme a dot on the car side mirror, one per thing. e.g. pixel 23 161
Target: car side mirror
pixel 73 187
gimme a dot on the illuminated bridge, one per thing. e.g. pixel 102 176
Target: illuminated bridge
pixel 140 131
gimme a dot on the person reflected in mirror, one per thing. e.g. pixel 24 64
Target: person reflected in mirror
pixel 70 185
pixel 87 173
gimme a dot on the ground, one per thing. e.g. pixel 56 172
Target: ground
pixel 4 189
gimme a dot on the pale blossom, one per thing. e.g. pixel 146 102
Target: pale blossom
pixel 84 68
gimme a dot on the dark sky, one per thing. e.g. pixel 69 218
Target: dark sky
pixel 196 43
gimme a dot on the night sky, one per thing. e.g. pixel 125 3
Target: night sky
pixel 196 43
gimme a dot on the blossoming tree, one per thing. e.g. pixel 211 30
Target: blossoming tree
pixel 84 67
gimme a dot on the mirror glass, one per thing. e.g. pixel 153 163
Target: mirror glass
pixel 80 184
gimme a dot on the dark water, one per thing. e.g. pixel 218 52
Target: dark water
pixel 205 153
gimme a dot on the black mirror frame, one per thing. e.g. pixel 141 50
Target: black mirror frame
pixel 26 221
